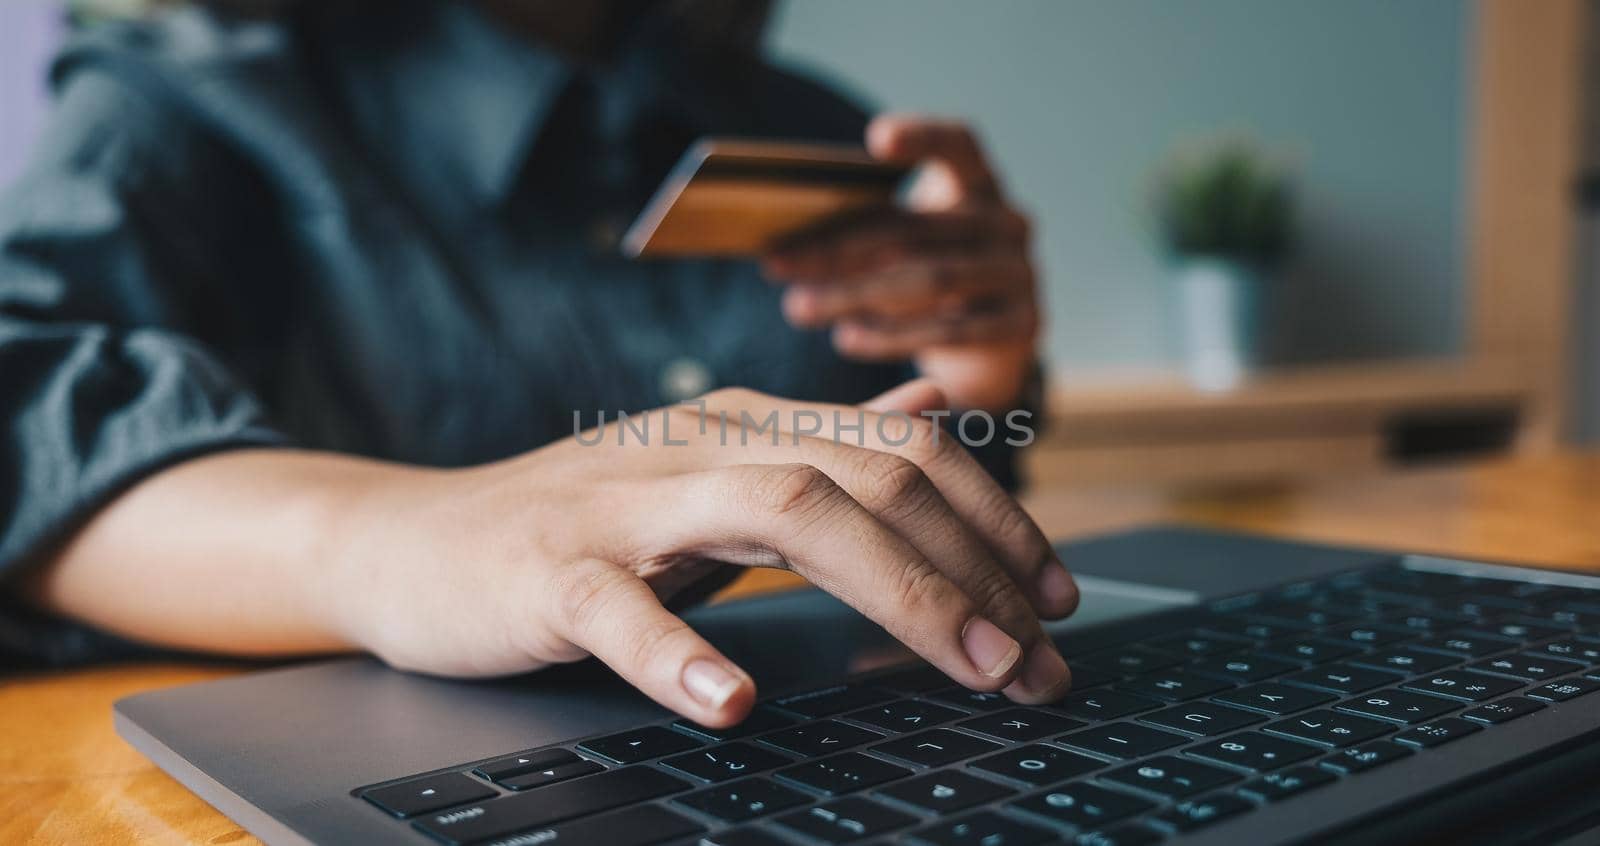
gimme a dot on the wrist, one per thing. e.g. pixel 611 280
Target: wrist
pixel 359 514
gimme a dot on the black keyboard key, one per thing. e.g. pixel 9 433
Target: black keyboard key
pixel 429 793
pixel 1462 684
pixel 527 762
pixel 1021 724
pixel 1104 705
pixel 841 774
pixel 1123 740
pixel 820 738
pixel 846 820
pixel 1399 706
pixel 1586 619
pixel 1275 786
pixel 1570 649
pixel 1255 630
pixel 1129 660
pixel 1358 759
pixel 1083 805
pixel 1427 620
pixel 1203 718
pixel 1517 630
pixel 1309 649
pixel 1368 635
pixel 1199 644
pixel 1380 603
pixel 760 720
pixel 1238 604
pixel 936 747
pixel 1254 751
pixel 1169 776
pixel 746 799
pixel 1173 686
pixel 1525 590
pixel 741 837
pixel 1437 733
pixel 1132 834
pixel 1503 710
pixel 1241 669
pixel 906 715
pixel 984 828
pixel 1274 698
pixel 1531 667
pixel 1488 606
pixel 1423 581
pixel 565 801
pixel 637 826
pixel 559 772
pixel 1037 765
pixel 946 792
pixel 639 744
pixel 1196 813
pixel 914 680
pixel 1402 660
pixel 1466 644
pixel 973 700
pixel 1329 728
pixel 1563 689
pixel 728 761
pixel 1303 614
pixel 1342 678
pixel 830 701
pixel 1084 678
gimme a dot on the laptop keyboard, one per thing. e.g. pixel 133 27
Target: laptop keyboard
pixel 1253 700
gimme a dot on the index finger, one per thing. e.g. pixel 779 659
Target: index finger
pixel 911 139
pixel 998 519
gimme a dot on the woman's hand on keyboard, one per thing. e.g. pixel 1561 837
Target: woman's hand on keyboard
pixel 571 550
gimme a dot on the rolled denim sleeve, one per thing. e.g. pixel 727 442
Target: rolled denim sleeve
pixel 102 241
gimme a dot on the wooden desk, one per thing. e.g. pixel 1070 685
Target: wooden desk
pixel 65 777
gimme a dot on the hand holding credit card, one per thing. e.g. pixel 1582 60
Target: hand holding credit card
pixel 940 273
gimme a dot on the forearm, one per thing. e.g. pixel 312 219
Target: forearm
pixel 236 552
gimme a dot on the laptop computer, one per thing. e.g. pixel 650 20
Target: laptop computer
pixel 1228 689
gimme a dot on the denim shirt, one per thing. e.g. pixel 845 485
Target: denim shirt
pixel 391 234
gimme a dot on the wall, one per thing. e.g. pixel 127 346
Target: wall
pixel 29 30
pixel 1080 98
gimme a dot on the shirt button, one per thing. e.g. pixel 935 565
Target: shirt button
pixel 683 378
pixel 606 232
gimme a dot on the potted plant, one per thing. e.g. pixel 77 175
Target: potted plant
pixel 1226 215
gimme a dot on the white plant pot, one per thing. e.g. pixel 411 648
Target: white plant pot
pixel 1219 308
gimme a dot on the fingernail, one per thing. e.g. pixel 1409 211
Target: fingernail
pixel 710 683
pixel 991 651
pixel 1044 671
pixel 799 301
pixel 1055 584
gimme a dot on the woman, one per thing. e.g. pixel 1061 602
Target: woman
pixel 296 314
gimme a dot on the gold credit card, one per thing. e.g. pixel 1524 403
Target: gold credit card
pixel 734 197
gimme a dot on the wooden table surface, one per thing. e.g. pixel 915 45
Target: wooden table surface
pixel 65 777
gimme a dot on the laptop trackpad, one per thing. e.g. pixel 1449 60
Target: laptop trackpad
pixel 808 638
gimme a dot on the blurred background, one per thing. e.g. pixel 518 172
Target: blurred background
pixel 1279 238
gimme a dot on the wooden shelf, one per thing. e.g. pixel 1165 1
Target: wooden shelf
pixel 1288 423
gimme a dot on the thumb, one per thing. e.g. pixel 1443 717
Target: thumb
pixel 913 398
pixel 618 619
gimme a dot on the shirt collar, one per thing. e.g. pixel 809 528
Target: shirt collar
pixel 459 99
